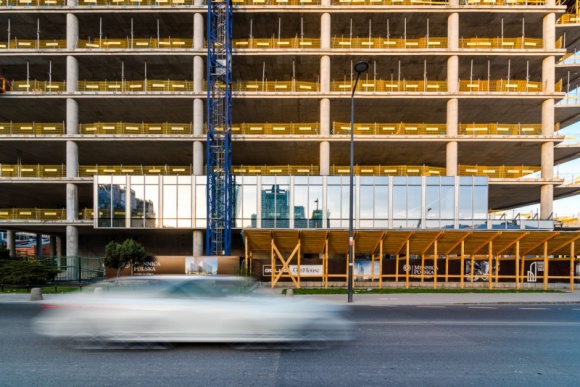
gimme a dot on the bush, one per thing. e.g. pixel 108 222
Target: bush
pixel 4 253
pixel 14 272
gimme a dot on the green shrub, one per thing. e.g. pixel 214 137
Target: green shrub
pixel 14 272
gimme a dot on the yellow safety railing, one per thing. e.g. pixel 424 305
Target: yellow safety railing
pixel 390 86
pixel 302 128
pixel 500 129
pixel 129 128
pixel 502 172
pixel 33 3
pixel 32 171
pixel 569 18
pixel 91 170
pixel 41 214
pixel 501 43
pixel 34 86
pixel 34 44
pixel 283 170
pixel 503 2
pixel 294 43
pixel 276 86
pixel 32 128
pixel 502 85
pixel 168 86
pixel 389 170
pixel 389 2
pixel 135 3
pixel 275 2
pixel 401 128
pixel 386 43
pixel 128 43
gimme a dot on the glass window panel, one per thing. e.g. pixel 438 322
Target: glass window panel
pixel 399 180
pixel 315 206
pixel 432 202
pixel 268 180
pixel 151 205
pixel 381 180
pixel 480 202
pixel 301 180
pixel 201 180
pixel 432 180
pixel 367 180
pixel 250 205
pixel 200 205
pixel 366 203
pixel 315 180
pixel 300 206
pixel 169 206
pixel 447 180
pixel 399 202
pixel 137 205
pixel 184 180
pixel 118 201
pixel 448 202
pixel 381 202
pixel 414 180
pixel 345 201
pixel 465 180
pixel 414 202
pixel 365 223
pixel 480 180
pixel 465 202
pixel 333 180
pixel 333 204
pixel 250 179
pixel 184 202
pixel 105 179
pixel 169 179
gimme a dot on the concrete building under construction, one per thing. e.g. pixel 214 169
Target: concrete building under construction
pixel 104 112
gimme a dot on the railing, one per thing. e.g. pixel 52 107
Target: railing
pixel 276 43
pixel 128 128
pixel 405 129
pixel 275 86
pixel 388 2
pixel 389 170
pixel 503 2
pixel 136 86
pixel 276 129
pixel 33 171
pixel 135 3
pixel 135 43
pixel 32 128
pixel 34 44
pixel 269 3
pixel 32 3
pixel 34 86
pixel 569 58
pixel 386 43
pixel 501 172
pixel 570 179
pixel 571 98
pixel 390 86
pixel 92 170
pixel 500 129
pixel 275 2
pixel 501 43
pixel 502 85
pixel 570 138
pixel 569 18
pixel 275 170
pixel 38 214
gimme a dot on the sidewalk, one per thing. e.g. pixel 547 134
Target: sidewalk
pixel 565 297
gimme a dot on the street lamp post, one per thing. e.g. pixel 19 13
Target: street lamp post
pixel 359 67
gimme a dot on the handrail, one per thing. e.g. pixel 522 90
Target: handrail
pixel 521 86
pixel 28 44
pixel 134 128
pixel 569 18
pixel 302 128
pixel 501 43
pixel 276 86
pixel 369 85
pixel 42 214
pixel 92 170
pixel 34 86
pixel 32 128
pixel 135 43
pixel 401 128
pixel 500 129
pixel 388 43
pixel 269 43
pixel 502 172
pixel 158 85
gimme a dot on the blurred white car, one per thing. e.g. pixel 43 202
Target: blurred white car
pixel 167 309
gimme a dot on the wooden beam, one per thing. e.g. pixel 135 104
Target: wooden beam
pixel 379 242
pixel 431 242
pixel 381 264
pixel 517 264
pixel 546 269
pixel 551 252
pixel 512 243
pixel 541 243
pixel 398 251
pixel 463 238
pixel 408 271
pixel 462 269
pixel 572 267
pixel 491 238
pixel 435 265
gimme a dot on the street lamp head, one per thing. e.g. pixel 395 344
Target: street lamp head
pixel 361 67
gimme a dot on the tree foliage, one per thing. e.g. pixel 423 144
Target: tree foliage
pixel 4 253
pixel 121 255
pixel 30 272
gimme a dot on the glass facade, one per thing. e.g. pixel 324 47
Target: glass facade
pixel 301 202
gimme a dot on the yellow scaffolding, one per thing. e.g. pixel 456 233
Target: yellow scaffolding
pixel 92 170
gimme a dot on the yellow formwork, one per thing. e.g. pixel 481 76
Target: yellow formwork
pixel 369 85
pixel 501 43
pixel 19 44
pixel 135 43
pixel 387 43
pixel 32 128
pixel 399 129
pixel 136 128
pixel 160 85
pixel 501 172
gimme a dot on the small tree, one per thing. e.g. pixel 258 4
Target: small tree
pixel 121 255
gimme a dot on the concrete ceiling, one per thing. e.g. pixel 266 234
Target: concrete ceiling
pixel 510 196
pixel 26 195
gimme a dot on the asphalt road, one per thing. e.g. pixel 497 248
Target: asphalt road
pixel 503 345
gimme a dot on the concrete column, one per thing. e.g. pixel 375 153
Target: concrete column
pixel 58 246
pixel 548 117
pixel 11 242
pixel 198 158
pixel 451 150
pixel 546 201
pixel 453 74
pixel 72 74
pixel 325 74
pixel 72 252
pixel 53 246
pixel 199 2
pixel 198 31
pixel 548 160
pixel 549 31
pixel 197 243
pixel 453 3
pixel 72 116
pixel 38 248
pixel 324 158
pixel 453 31
pixel 549 74
pixel 72 30
pixel 325 124
pixel 197 74
pixel 72 159
pixel 72 207
pixel 325 3
pixel 325 30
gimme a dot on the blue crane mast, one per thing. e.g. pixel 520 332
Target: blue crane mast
pixel 219 121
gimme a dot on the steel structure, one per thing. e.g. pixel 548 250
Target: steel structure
pixel 219 119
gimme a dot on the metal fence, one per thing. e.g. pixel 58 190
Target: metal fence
pixel 77 269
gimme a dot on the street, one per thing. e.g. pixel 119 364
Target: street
pixel 513 345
